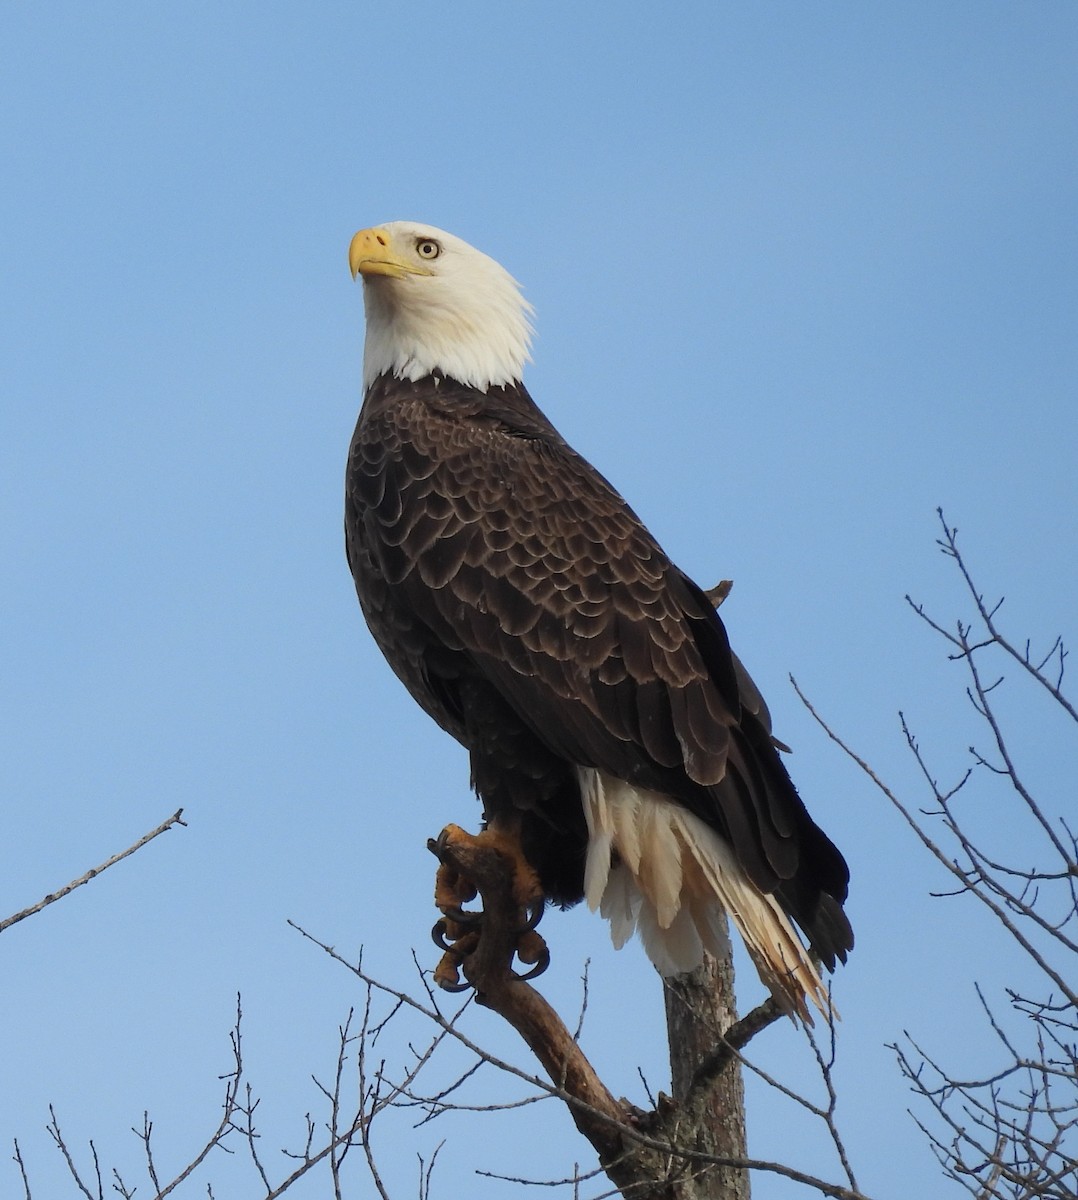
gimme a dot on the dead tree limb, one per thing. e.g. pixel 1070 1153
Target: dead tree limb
pixel 675 1152
pixel 705 1075
pixel 598 1115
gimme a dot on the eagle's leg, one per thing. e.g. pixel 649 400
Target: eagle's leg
pixel 493 864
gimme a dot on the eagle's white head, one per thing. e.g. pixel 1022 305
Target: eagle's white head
pixel 434 303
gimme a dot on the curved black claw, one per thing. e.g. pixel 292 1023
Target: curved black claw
pixel 438 933
pixel 447 973
pixel 535 915
pixel 538 969
pixel 470 920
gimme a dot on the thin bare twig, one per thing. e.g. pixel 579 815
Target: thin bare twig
pixel 1013 1131
pixel 17 1157
pixel 619 1132
pixel 52 897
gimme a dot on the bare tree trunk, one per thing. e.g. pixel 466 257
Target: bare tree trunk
pixel 700 1007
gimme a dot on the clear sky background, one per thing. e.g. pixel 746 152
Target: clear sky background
pixel 802 272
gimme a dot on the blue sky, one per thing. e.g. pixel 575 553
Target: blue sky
pixel 802 273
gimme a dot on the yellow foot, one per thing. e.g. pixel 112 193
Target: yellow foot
pixel 526 888
pixel 458 932
pixel 451 889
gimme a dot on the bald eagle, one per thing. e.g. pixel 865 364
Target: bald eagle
pixel 613 734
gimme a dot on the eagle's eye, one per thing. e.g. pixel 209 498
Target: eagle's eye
pixel 427 248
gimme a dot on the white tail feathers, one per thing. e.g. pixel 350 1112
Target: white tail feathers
pixel 655 868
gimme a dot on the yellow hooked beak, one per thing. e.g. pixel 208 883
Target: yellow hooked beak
pixel 372 252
